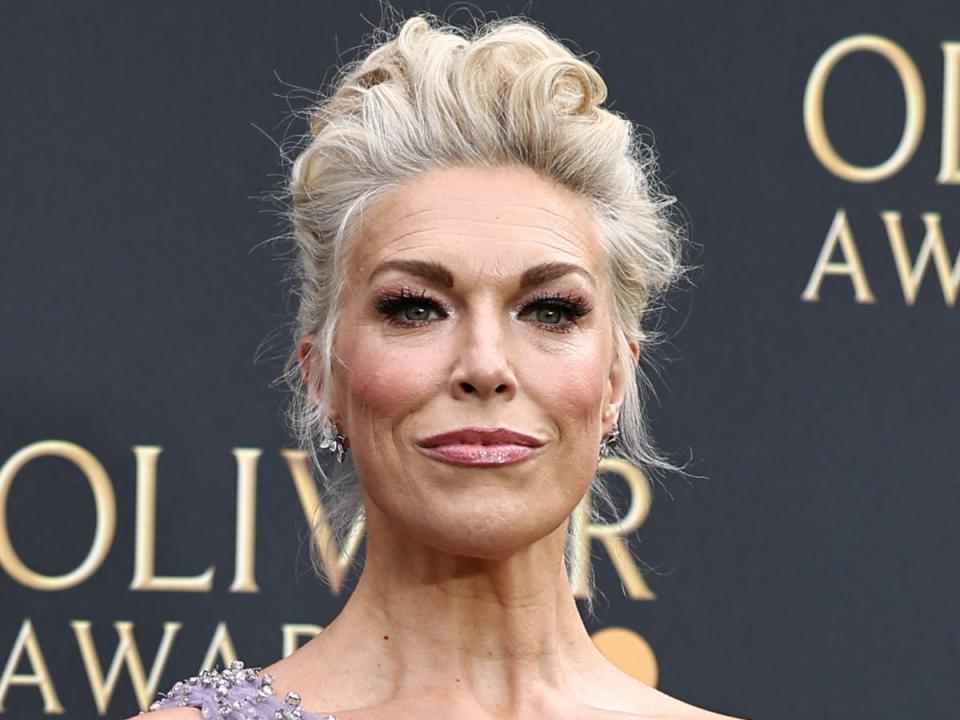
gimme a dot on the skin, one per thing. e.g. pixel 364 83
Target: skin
pixel 463 608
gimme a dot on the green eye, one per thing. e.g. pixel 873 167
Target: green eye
pixel 549 314
pixel 415 313
pixel 408 310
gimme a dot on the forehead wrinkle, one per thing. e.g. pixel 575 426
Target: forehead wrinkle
pixel 474 203
pixel 564 246
pixel 563 218
pixel 565 249
pixel 401 236
pixel 559 232
pixel 576 238
pixel 367 249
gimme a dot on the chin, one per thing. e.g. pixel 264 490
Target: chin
pixel 486 534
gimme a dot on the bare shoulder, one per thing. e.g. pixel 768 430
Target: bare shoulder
pixel 651 702
pixel 675 709
pixel 170 713
pixel 696 713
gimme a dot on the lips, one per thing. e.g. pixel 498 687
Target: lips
pixel 480 447
pixel 480 436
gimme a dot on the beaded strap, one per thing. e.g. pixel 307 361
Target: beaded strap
pixel 235 693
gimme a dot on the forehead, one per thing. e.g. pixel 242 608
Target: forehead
pixel 497 219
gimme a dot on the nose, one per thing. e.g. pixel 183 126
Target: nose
pixel 483 365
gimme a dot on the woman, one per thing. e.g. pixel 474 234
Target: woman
pixel 479 243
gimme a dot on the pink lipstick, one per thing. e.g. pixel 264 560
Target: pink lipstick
pixel 480 447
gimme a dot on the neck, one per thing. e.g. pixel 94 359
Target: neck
pixel 503 632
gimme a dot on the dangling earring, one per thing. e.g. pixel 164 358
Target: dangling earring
pixel 606 447
pixel 333 440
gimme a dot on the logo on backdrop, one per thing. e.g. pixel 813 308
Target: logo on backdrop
pixel 840 240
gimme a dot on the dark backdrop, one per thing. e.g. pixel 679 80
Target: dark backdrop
pixel 813 573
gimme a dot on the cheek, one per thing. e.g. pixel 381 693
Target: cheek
pixel 573 388
pixel 383 382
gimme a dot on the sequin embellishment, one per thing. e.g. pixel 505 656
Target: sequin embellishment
pixel 235 693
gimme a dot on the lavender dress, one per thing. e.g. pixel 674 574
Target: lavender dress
pixel 235 693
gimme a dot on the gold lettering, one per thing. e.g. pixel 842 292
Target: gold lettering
pixel 950 150
pixel 839 231
pixel 146 529
pixel 126 653
pixel 293 632
pixel 244 580
pixel 913 91
pixel 40 677
pixel 106 509
pixel 335 561
pixel 611 535
pixel 220 645
pixel 911 273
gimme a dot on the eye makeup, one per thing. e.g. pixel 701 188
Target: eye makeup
pixel 393 305
pixel 573 305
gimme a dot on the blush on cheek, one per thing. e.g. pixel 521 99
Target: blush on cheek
pixel 574 390
pixel 389 383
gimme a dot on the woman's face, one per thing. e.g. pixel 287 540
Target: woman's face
pixel 476 298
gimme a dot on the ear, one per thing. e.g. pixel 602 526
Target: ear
pixel 305 361
pixel 616 388
pixel 312 377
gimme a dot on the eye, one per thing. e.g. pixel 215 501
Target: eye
pixel 419 312
pixel 550 314
pixel 557 312
pixel 405 308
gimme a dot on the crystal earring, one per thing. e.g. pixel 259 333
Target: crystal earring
pixel 334 441
pixel 606 447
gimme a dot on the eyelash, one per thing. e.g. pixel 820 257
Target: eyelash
pixel 392 302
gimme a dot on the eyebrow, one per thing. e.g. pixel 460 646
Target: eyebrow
pixel 433 271
pixel 441 275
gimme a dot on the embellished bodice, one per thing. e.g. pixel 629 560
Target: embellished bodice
pixel 235 693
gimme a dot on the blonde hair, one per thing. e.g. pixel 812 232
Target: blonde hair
pixel 433 95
